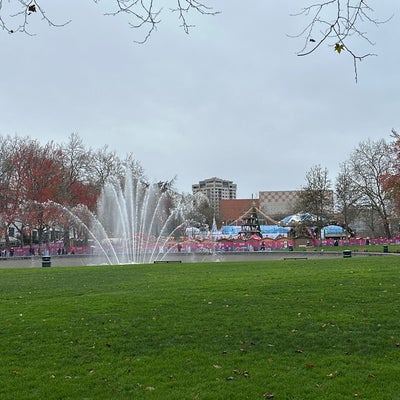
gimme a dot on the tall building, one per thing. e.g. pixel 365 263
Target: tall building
pixel 216 189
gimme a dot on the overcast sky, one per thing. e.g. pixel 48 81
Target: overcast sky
pixel 230 100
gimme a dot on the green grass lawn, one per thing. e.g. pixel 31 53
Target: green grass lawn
pixel 294 329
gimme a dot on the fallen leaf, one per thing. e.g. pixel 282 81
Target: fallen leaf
pixel 268 395
pixel 236 371
pixel 230 378
pixel 150 388
pixel 309 365
pixel 216 366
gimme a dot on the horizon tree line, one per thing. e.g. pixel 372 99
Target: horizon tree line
pixel 367 188
pixel 40 184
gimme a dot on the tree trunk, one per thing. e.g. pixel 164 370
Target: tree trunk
pixel 40 240
pixel 386 227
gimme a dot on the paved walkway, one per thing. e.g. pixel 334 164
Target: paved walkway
pixel 84 260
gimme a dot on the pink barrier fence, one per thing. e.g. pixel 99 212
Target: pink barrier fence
pixel 54 249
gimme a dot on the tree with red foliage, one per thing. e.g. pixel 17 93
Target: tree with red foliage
pixel 7 199
pixel 391 180
pixel 35 178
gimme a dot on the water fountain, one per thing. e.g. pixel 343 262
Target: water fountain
pixel 135 223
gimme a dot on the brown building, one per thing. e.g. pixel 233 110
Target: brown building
pixel 272 205
pixel 231 210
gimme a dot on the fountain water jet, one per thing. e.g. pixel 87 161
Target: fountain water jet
pixel 135 222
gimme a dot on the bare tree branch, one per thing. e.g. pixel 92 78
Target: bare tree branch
pixel 15 15
pixel 183 8
pixel 336 22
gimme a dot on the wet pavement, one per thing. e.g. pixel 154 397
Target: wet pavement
pixel 88 260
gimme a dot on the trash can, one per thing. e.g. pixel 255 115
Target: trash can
pixel 46 261
pixel 386 248
pixel 290 247
pixel 346 253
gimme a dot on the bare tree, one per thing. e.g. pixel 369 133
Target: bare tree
pixel 316 197
pixel 197 212
pixel 104 165
pixel 74 162
pixel 369 163
pixel 347 195
pixel 131 164
pixel 74 158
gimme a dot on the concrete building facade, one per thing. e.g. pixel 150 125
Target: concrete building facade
pixel 216 189
pixel 278 204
